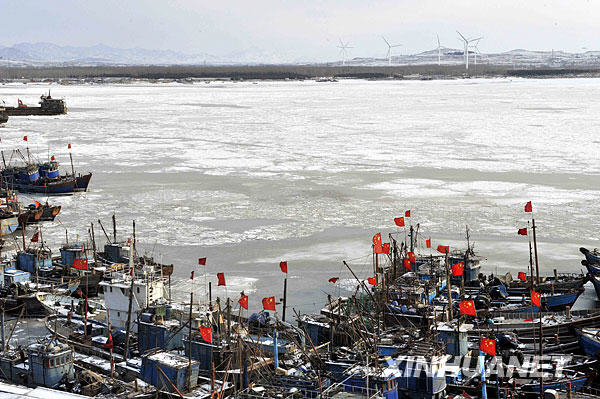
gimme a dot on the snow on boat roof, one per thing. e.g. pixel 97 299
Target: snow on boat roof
pixel 170 359
pixel 16 391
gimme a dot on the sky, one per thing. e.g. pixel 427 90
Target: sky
pixel 302 29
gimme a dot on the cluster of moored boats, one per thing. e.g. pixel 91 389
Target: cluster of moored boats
pixel 421 326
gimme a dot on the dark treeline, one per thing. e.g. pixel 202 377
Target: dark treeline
pixel 279 72
pixel 245 72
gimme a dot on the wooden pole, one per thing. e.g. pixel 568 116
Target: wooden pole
pixel 94 247
pixel 72 168
pixel 114 220
pixel 284 297
pixel 128 326
pixel 537 264
pixel 112 362
pixel 449 287
pixel 532 286
pixel 190 343
pixel 537 272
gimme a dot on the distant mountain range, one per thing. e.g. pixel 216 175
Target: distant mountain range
pixel 48 54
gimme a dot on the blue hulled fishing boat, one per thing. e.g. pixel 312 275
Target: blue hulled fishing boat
pixel 589 340
pixel 42 177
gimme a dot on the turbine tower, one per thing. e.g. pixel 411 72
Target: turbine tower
pixel 343 51
pixel 439 49
pixel 466 43
pixel 389 52
pixel 476 50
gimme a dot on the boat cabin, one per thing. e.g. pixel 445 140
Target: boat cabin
pixel 35 260
pixel 167 371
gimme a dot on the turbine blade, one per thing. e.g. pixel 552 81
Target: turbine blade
pixel 386 42
pixel 460 34
pixel 438 39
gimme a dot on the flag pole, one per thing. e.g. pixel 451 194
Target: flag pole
pixel 449 287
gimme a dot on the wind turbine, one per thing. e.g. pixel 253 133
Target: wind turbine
pixel 476 50
pixel 467 42
pixel 343 51
pixel 389 52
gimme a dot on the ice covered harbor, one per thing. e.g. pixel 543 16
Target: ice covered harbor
pixel 246 175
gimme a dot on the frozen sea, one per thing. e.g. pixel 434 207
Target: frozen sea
pixel 251 173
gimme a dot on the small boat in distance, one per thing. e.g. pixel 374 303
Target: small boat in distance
pixel 48 106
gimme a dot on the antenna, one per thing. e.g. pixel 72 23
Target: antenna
pixel 343 51
pixel 389 51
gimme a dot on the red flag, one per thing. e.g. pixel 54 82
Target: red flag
pixel 457 269
pixel 269 303
pixel 80 263
pixel 467 308
pixel 24 138
pixel 522 276
pixel 399 222
pixel 488 346
pixel 407 214
pixel 536 299
pixel 243 301
pixel 192 275
pixel 372 280
pixel 206 334
pixel 69 146
pixel 334 280
pixel 522 232
pixel 377 246
pixel 283 266
pixel 386 248
pixel 444 249
pixel 528 207
pixel 109 342
pixel 202 261
pixel 221 277
pixel 52 158
pixel 406 264
pixel 35 237
pixel 428 243
pixel 411 257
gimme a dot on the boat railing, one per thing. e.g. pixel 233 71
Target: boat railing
pixel 517 316
pixel 590 390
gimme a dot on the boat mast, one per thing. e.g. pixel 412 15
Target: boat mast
pixel 114 220
pixel 449 287
pixel 537 270
pixel 190 344
pixel 128 327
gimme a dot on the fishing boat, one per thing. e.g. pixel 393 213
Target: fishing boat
pixel 596 282
pixel 589 340
pixel 66 184
pixel 41 177
pixel 30 216
pixel 50 212
pixel 593 256
pixel 48 106
pixel 63 305
pixel 47 363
